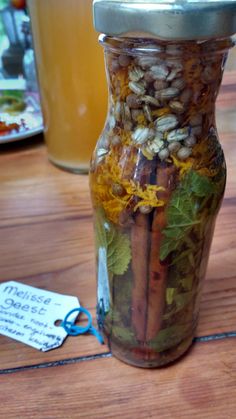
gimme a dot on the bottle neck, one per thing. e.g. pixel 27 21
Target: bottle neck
pixel 149 78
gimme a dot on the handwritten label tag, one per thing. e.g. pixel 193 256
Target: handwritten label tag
pixel 28 314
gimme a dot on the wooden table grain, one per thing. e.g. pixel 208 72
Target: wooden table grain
pixel 46 240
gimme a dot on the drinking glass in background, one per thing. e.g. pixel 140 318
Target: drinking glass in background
pixel 71 77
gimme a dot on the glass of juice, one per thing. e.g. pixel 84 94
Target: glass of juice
pixel 71 77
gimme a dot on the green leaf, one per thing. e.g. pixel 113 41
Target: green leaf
pixel 167 247
pixel 118 254
pixel 174 278
pixel 187 282
pixel 169 337
pixel 183 212
pixel 112 317
pixel 124 334
pixel 201 185
pixel 183 256
pixel 181 300
pixel 117 245
pixel 170 294
pixel 100 231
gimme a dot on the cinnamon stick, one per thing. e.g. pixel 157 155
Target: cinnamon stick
pixel 157 269
pixel 140 258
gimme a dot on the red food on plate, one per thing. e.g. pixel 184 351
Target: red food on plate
pixel 6 129
pixel 18 4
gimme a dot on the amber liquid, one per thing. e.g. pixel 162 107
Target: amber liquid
pixel 72 79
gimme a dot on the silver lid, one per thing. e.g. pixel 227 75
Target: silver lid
pixel 170 20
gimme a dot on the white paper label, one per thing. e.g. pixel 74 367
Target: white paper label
pixel 28 314
pixel 103 290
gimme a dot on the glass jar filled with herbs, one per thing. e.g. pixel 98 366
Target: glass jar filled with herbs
pixel 158 172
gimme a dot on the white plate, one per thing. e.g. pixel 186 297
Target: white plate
pixel 33 121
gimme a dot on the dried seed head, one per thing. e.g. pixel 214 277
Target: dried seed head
pixel 166 123
pixel 169 93
pixel 116 140
pixel 125 112
pixel 190 141
pixel 136 74
pixel 164 154
pixel 137 88
pixel 133 101
pixel 155 145
pixel 176 106
pixel 159 71
pixel 174 146
pixel 173 63
pixel 141 135
pixel 147 149
pixel 179 83
pixel 124 60
pixel 158 136
pixel 150 100
pixel 117 189
pixel 184 153
pixel 145 209
pixel 148 77
pixel 173 74
pixel 136 113
pixel 147 113
pixel 160 84
pixel 146 61
pixel 178 134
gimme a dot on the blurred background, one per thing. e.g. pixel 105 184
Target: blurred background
pixel 19 94
pixel 16 47
pixel 66 51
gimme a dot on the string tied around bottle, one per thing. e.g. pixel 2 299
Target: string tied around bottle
pixel 74 330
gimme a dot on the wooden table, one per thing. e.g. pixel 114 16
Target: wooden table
pixel 46 240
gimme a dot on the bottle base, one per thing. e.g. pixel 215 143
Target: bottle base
pixel 146 358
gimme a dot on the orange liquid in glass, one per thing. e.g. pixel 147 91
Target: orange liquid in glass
pixel 71 77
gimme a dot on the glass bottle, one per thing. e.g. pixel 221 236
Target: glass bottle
pixel 157 181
